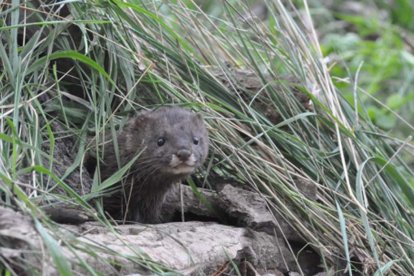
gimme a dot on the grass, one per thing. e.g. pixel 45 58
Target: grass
pixel 372 37
pixel 142 54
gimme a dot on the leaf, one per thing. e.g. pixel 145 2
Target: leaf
pixel 395 101
pixel 113 179
pixel 402 183
pixel 62 264
pixel 408 57
pixel 342 224
pixel 386 121
pixel 75 56
pixel 382 270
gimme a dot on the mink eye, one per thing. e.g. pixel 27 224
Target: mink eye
pixel 196 140
pixel 161 141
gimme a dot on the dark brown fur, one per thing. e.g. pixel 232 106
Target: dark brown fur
pixel 159 165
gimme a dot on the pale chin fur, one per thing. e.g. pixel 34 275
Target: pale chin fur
pixel 178 167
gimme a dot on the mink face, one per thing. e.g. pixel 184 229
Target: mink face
pixel 171 143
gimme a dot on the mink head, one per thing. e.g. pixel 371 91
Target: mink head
pixel 172 141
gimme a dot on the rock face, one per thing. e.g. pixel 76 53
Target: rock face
pixel 187 248
pixel 18 238
pixel 235 206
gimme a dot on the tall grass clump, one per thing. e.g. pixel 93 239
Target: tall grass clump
pixel 131 55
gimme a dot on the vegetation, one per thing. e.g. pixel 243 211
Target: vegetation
pixel 140 54
pixel 372 44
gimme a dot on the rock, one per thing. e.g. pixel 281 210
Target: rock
pixel 20 244
pixel 249 209
pixel 236 206
pixel 191 205
pixel 187 248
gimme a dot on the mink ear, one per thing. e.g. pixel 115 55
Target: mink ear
pixel 141 118
pixel 198 118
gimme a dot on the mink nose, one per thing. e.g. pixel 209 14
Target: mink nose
pixel 183 154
